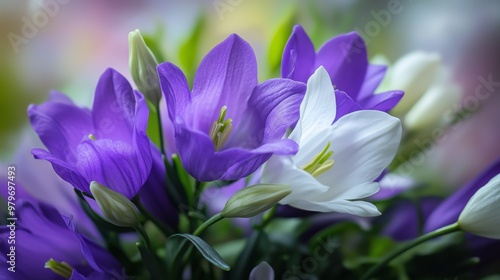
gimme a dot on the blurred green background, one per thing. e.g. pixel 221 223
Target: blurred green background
pixel 66 44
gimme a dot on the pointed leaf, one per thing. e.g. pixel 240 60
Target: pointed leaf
pixel 206 250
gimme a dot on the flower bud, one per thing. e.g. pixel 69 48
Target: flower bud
pixel 481 214
pixel 116 208
pixel 143 64
pixel 414 73
pixel 254 200
pixel 262 272
pixel 428 111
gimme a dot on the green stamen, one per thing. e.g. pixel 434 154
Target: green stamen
pixel 221 129
pixel 91 137
pixel 320 163
pixel 60 268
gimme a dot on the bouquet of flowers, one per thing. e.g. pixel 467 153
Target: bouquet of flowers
pixel 215 175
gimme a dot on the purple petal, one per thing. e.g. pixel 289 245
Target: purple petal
pixel 402 220
pixel 345 104
pixel 175 89
pixel 384 101
pixel 392 185
pixel 345 59
pixel 273 107
pixel 168 130
pixel 226 77
pixel 96 256
pixel 263 271
pixel 59 97
pixel 115 164
pixel 298 56
pixel 448 212
pixel 43 235
pixel 114 109
pixel 374 76
pixel 202 162
pixel 66 171
pixel 60 126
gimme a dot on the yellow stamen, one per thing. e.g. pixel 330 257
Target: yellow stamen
pixel 60 268
pixel 221 129
pixel 320 163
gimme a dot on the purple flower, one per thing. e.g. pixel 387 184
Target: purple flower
pixel 108 144
pixel 43 233
pixel 41 183
pixel 346 61
pixel 228 125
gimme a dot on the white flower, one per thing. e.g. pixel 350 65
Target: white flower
pixel 336 164
pixel 481 215
pixel 429 89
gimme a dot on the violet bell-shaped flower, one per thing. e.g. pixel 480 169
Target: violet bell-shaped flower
pixel 336 164
pixel 228 125
pixel 345 59
pixel 47 242
pixel 107 144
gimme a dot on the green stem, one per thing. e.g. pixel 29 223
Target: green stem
pixel 144 235
pixel 164 229
pixel 215 218
pixel 439 232
pixel 268 217
pixel 160 130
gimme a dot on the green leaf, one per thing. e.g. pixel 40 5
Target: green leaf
pixel 153 41
pixel 152 128
pixel 279 40
pixel 185 179
pixel 189 49
pixel 206 250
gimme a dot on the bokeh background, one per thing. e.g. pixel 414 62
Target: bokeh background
pixel 66 44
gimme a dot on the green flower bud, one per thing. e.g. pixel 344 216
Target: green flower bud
pixel 116 208
pixel 254 200
pixel 143 64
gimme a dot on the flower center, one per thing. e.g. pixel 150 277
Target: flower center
pixel 320 163
pixel 91 137
pixel 221 129
pixel 60 268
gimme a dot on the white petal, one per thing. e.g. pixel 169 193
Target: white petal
pixel 429 109
pixel 481 215
pixel 318 109
pixel 364 143
pixel 358 208
pixel 413 73
pixel 281 170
